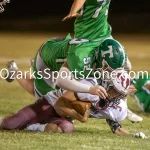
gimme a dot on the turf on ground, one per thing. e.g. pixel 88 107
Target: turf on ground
pixel 92 135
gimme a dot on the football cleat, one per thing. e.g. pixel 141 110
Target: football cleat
pixel 133 117
pixel 12 69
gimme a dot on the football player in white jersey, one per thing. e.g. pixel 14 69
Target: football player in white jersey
pixel 114 109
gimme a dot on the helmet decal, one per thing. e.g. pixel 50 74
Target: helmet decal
pixel 122 81
pixel 125 82
pixel 108 52
pixel 113 53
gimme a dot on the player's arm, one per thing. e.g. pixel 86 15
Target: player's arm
pixel 70 84
pixel 76 6
pixel 117 129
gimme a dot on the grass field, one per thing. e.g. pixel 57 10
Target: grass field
pixel 95 134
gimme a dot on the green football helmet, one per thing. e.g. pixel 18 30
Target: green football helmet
pixel 110 56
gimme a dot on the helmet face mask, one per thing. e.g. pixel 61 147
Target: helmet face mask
pixel 113 93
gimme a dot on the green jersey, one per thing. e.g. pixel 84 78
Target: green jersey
pixel 93 24
pixel 50 57
pixel 82 57
pixel 142 94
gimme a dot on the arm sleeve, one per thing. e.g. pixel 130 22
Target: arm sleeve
pixel 65 81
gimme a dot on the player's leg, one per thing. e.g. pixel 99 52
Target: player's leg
pixel 26 81
pixel 38 112
pixel 55 125
pixel 18 120
pixel 51 127
pixel 130 115
pixel 60 125
pixel 134 118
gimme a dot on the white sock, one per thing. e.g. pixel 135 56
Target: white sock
pixel 36 127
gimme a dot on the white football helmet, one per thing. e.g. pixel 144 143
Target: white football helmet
pixel 120 81
pixel 2 3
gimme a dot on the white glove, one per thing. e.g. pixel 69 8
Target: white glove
pixel 140 135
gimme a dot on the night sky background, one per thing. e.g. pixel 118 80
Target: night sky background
pixel 132 15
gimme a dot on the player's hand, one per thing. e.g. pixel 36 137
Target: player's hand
pixel 71 15
pixel 140 135
pixel 131 90
pixel 98 90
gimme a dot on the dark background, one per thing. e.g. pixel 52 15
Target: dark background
pixel 46 15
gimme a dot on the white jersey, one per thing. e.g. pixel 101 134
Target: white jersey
pixel 113 110
pixel 116 111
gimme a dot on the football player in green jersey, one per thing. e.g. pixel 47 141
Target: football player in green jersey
pixel 91 22
pixel 108 56
pixel 79 58
pixel 142 95
pixel 52 55
pixel 91 29
pixel 48 60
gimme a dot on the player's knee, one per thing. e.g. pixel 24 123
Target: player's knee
pixel 8 124
pixel 67 127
